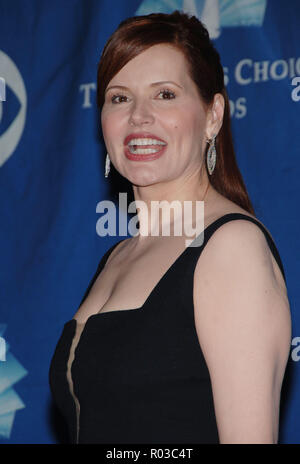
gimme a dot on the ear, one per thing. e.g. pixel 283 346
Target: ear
pixel 214 118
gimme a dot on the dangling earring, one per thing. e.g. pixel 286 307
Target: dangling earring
pixel 211 155
pixel 107 165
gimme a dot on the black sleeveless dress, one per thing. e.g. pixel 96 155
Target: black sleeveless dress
pixel 139 376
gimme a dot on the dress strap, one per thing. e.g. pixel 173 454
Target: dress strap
pixel 233 216
pixel 208 233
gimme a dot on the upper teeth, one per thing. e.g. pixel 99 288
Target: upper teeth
pixel 146 142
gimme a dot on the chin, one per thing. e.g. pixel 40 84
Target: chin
pixel 143 179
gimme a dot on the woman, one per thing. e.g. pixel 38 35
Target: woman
pixel 174 348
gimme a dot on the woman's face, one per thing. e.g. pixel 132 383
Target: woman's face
pixel 138 104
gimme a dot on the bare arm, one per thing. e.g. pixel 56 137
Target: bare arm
pixel 243 323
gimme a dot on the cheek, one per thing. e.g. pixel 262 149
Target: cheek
pixel 185 121
pixel 104 122
pixel 110 125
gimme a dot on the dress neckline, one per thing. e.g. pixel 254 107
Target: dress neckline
pixel 163 277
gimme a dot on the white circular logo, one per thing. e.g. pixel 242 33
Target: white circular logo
pixel 11 137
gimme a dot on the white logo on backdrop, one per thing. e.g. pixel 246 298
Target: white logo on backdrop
pixel 13 79
pixel 11 372
pixel 215 14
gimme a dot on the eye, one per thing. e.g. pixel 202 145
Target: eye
pixel 168 92
pixel 114 98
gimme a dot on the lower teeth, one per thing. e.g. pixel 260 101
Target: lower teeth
pixel 143 151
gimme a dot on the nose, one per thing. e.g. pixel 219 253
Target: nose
pixel 140 114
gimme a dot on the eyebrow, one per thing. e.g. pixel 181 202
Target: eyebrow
pixel 154 84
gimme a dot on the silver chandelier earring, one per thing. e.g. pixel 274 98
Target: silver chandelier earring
pixel 107 165
pixel 211 155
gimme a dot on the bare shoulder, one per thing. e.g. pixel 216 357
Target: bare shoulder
pixel 242 235
pixel 236 267
pixel 240 238
pixel 243 322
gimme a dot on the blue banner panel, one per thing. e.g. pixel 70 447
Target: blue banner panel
pixel 52 161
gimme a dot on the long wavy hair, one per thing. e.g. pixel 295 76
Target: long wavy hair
pixel 186 33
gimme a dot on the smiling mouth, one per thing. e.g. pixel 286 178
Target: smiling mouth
pixel 145 146
pixel 145 152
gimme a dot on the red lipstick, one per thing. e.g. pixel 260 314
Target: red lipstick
pixel 147 157
pixel 144 157
pixel 141 135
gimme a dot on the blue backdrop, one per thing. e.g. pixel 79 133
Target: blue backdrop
pixel 52 172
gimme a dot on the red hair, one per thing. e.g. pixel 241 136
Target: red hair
pixel 186 33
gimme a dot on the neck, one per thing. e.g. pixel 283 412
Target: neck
pixel 172 208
